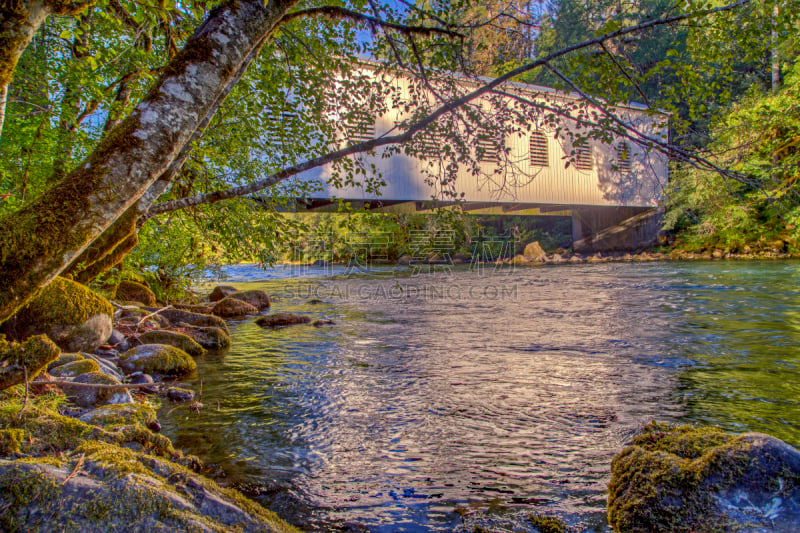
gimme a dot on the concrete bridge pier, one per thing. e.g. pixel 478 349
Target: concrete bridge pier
pixel 615 229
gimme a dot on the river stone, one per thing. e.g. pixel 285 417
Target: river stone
pixel 534 252
pixel 209 337
pixel 203 309
pixel 72 316
pixel 173 338
pixel 232 308
pixel 177 317
pixel 177 394
pixel 118 341
pixel 65 358
pixel 279 320
pixel 135 292
pixel 257 298
pixel 139 379
pixel 703 479
pixel 91 397
pixel 158 359
pixel 75 368
pixel 220 292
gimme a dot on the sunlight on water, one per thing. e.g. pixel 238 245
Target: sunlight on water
pixel 495 390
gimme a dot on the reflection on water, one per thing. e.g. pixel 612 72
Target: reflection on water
pixel 510 389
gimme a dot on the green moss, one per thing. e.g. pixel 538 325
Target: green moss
pixel 132 291
pixel 10 440
pixel 548 524
pixel 158 359
pixel 43 460
pixel 75 368
pixel 65 358
pixel 655 483
pixel 172 338
pixel 113 460
pixel 22 488
pixel 121 415
pixel 28 358
pixel 48 306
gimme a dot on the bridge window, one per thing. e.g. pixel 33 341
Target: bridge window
pixel 486 150
pixel 624 158
pixel 359 127
pixel 583 157
pixel 278 124
pixel 538 149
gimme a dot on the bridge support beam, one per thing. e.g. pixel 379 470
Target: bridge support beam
pixel 615 229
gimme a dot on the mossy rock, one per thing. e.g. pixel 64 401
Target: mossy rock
pixel 75 368
pixel 230 307
pixel 210 337
pixel 157 359
pixel 90 396
pixel 65 358
pixel 19 361
pixel 220 292
pixel 172 338
pixel 547 524
pixel 136 292
pixel 178 317
pixel 686 479
pixel 280 320
pixel 203 309
pixel 72 316
pixel 257 298
pixel 122 490
pixel 111 416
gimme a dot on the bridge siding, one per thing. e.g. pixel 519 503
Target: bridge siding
pixel 555 184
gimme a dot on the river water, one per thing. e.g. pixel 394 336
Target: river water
pixel 492 394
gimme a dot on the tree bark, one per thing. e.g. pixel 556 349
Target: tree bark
pixel 40 240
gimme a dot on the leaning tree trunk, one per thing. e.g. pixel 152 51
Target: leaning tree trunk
pixel 111 246
pixel 39 241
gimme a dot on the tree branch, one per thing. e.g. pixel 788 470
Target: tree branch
pixel 342 13
pixel 445 108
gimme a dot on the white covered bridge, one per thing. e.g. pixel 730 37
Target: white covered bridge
pixel 611 189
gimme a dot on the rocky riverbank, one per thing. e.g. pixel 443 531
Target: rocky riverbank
pixel 80 448
pixel 81 380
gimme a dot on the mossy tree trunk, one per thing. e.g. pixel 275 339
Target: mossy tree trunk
pixel 40 240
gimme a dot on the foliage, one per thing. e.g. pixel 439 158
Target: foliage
pixel 759 137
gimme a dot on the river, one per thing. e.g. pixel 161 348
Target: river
pixel 491 393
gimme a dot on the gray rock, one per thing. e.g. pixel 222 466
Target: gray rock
pixel 178 317
pixel 139 379
pixel 92 397
pixel 118 341
pixel 75 368
pixel 209 337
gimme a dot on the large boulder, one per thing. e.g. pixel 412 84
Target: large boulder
pixel 157 359
pixel 534 252
pixel 72 316
pixel 685 479
pixel 257 298
pixel 173 338
pixel 131 291
pixel 92 396
pixel 230 307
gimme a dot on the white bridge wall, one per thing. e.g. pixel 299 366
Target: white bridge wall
pixel 604 185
